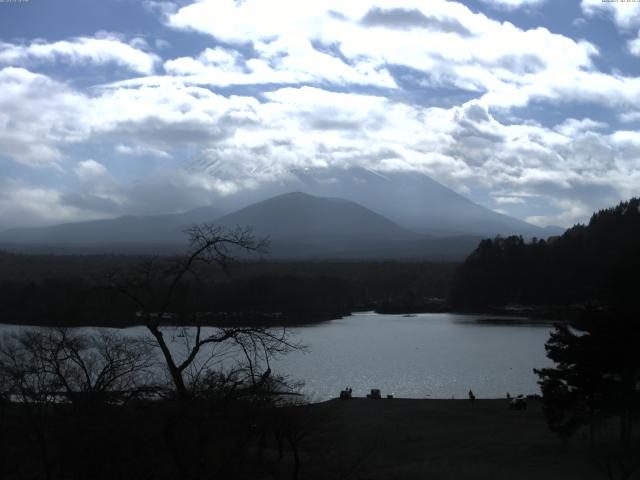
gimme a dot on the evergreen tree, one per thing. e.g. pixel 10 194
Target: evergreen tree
pixel 595 382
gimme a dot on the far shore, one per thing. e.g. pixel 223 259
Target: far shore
pixel 491 315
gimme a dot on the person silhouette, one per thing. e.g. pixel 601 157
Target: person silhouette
pixel 472 397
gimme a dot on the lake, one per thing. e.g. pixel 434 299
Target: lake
pixel 430 355
pixel 437 355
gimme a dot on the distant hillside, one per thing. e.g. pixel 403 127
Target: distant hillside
pixel 306 226
pixel 301 216
pixel 300 226
pixel 122 233
pixel 597 262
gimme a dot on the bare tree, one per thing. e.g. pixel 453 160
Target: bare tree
pixel 45 365
pixel 253 346
pixel 43 370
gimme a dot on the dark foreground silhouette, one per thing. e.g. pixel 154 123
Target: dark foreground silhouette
pixel 337 439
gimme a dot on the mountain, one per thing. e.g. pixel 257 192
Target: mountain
pixel 304 216
pixel 417 202
pixel 299 226
pixel 127 233
pixel 305 226
pixel 410 199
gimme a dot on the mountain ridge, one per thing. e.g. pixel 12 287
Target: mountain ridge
pixel 300 225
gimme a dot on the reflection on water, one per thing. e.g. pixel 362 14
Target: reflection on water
pixel 427 355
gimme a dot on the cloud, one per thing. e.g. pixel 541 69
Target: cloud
pixel 569 214
pixel 501 200
pixel 318 85
pixel 358 43
pixel 90 170
pixel 22 204
pixel 297 63
pixel 463 147
pixel 399 18
pixel 248 144
pixel 626 15
pixel 571 126
pixel 634 47
pixel 513 4
pixel 628 117
pixel 251 142
pixel 37 115
pixel 141 151
pixel 169 116
pixel 40 116
pixel 82 50
pixel 99 191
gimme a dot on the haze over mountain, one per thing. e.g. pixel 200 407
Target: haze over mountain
pixel 305 226
pixel 350 212
pixel 126 233
pixel 299 226
pixel 311 218
pixel 416 201
pixel 411 199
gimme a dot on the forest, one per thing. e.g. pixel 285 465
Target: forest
pixel 72 290
pixel 596 263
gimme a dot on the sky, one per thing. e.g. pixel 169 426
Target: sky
pixel 527 107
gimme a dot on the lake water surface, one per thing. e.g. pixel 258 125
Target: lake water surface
pixel 427 355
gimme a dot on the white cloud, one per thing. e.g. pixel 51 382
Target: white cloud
pixel 461 147
pixel 571 126
pixel 250 143
pixel 513 4
pixel 94 51
pixel 356 42
pixel 90 170
pixel 141 150
pixel 634 47
pixel 628 117
pixel 301 64
pixel 25 205
pixel 300 55
pixel 501 200
pixel 625 14
pixel 570 214
pixel 37 115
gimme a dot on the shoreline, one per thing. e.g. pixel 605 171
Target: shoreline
pixel 266 320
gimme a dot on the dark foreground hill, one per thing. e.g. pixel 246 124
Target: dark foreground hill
pixel 366 439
